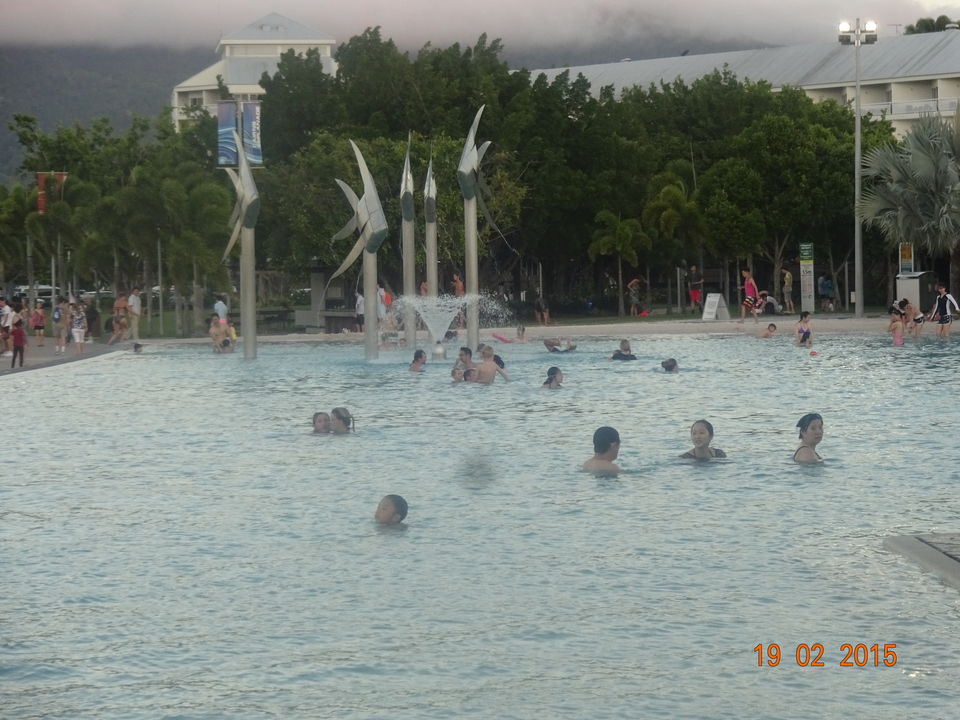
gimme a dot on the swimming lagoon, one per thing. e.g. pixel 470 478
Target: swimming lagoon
pixel 177 544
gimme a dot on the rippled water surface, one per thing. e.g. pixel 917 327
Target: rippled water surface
pixel 175 542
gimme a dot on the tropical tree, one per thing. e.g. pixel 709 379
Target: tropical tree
pixel 914 193
pixel 621 238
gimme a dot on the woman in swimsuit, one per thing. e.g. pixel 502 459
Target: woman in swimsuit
pixel 701 433
pixel 811 433
pixel 804 331
pixel 554 379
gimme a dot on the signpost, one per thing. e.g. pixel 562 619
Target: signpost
pixel 807 299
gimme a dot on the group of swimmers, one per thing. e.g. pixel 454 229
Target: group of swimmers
pixel 606 445
pixel 905 317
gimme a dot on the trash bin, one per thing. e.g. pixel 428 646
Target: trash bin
pixel 920 288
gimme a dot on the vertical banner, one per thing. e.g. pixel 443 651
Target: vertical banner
pixel 226 124
pixel 250 124
pixel 41 193
pixel 807 301
pixel 906 258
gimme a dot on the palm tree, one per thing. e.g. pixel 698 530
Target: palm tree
pixel 621 238
pixel 915 195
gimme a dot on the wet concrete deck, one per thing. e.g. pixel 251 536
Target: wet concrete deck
pixel 938 553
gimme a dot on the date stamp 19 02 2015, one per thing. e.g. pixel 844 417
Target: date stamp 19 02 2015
pixel 812 655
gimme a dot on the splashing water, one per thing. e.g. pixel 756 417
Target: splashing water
pixel 438 313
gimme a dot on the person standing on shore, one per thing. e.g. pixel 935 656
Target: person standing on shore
pixel 19 338
pixel 133 312
pixel 787 289
pixel 750 295
pixel 61 320
pixel 38 322
pixel 119 318
pixel 695 280
pixel 78 326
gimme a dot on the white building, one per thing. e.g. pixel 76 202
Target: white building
pixel 901 77
pixel 244 56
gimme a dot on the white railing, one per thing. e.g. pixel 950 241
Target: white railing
pixel 913 107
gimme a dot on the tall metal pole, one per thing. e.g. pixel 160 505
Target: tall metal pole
pixel 857 226
pixel 371 324
pixel 159 284
pixel 430 237
pixel 472 267
pixel 248 292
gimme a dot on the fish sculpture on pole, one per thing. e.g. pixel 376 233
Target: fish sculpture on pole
pixel 370 223
pixel 470 181
pixel 244 219
pixel 408 251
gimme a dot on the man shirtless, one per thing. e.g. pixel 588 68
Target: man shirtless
pixel 606 447
pixel 488 369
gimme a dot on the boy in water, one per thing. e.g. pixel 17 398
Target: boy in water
pixel 606 447
pixel 391 510
pixel 769 332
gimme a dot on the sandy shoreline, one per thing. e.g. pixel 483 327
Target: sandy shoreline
pixel 36 356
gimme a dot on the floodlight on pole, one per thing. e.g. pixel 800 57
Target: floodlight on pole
pixel 857 36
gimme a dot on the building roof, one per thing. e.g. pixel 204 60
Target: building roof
pixel 925 55
pixel 275 28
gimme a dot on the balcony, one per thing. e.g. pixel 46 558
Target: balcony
pixel 913 108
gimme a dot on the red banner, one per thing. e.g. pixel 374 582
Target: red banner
pixel 59 177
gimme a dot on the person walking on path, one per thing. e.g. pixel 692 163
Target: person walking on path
pixel 6 326
pixel 119 319
pixel 695 280
pixel 633 291
pixel 78 325
pixel 133 313
pixel 38 322
pixel 19 338
pixel 750 295
pixel 61 325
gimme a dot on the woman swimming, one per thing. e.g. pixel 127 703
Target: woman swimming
pixel 341 421
pixel 554 378
pixel 701 434
pixel 811 433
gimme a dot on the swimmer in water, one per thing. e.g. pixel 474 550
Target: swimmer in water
pixel 554 378
pixel 391 510
pixel 896 325
pixel 321 423
pixel 701 434
pixel 811 433
pixel 419 360
pixel 553 345
pixel 623 352
pixel 341 421
pixel 769 332
pixel 606 447
pixel 804 330
pixel 670 366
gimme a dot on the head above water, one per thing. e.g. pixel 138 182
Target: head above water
pixel 625 346
pixel 705 424
pixel 804 315
pixel 670 365
pixel 341 421
pixel 391 510
pixel 804 423
pixel 603 438
pixel 771 327
pixel 321 422
pixel 420 355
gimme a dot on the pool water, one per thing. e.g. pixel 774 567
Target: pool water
pixel 177 544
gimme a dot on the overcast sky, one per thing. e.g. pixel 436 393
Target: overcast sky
pixel 413 22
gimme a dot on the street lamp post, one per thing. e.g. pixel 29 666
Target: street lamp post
pixel 857 36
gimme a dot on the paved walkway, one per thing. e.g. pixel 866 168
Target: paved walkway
pixel 37 356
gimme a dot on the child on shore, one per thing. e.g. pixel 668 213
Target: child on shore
pixel 19 338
